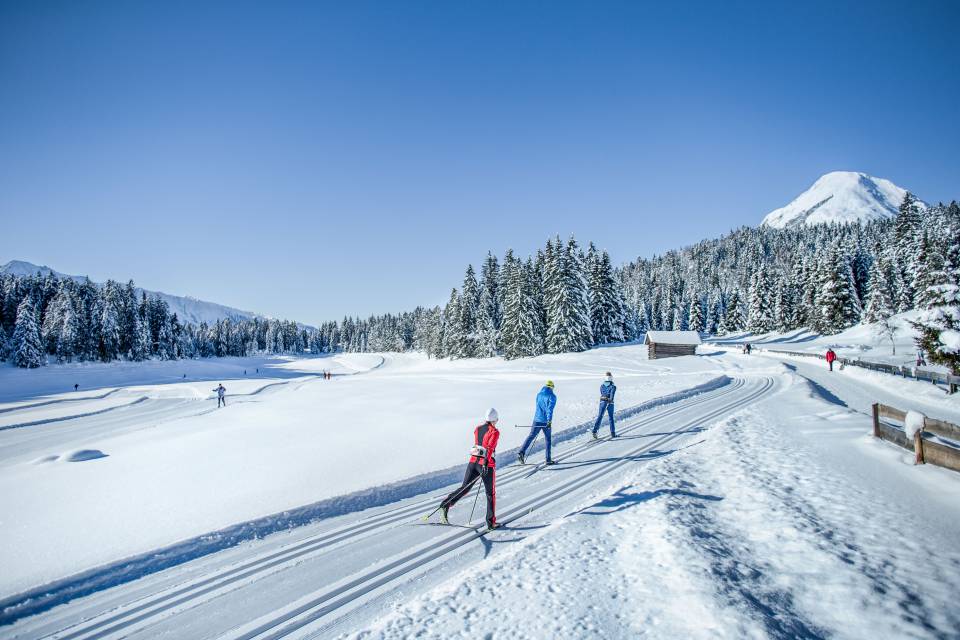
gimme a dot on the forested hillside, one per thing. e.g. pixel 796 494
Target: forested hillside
pixel 563 299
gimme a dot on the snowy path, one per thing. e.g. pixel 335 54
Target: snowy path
pixel 333 576
pixel 787 521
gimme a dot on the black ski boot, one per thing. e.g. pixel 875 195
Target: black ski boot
pixel 491 527
pixel 594 434
pixel 522 458
pixel 551 462
pixel 443 515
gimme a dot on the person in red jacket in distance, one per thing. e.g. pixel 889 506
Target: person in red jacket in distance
pixel 483 465
pixel 831 356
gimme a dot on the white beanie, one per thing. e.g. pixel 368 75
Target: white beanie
pixel 492 415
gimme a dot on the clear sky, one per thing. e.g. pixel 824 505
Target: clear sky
pixel 309 160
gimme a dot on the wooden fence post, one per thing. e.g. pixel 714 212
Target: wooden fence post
pixel 876 420
pixel 918 446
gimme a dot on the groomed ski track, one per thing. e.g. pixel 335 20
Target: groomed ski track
pixel 330 577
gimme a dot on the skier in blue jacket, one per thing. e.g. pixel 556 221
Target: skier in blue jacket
pixel 542 421
pixel 607 391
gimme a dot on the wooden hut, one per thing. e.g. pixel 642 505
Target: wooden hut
pixel 667 344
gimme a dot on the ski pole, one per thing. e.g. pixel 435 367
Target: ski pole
pixel 427 517
pixel 476 497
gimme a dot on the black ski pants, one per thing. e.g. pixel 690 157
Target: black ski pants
pixel 474 469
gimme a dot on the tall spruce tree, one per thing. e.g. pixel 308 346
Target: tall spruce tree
pixel 760 314
pixel 568 310
pixel 26 344
pixel 939 322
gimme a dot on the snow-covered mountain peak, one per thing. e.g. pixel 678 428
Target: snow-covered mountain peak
pixel 840 197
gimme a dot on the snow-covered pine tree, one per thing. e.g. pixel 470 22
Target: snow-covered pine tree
pixel 606 315
pixel 879 303
pixel 67 339
pixel 490 314
pixel 698 320
pixel 26 345
pixel 783 306
pixel 733 320
pixel 760 314
pixel 568 310
pixel 468 344
pixel 939 323
pixel 454 336
pixel 928 262
pixel 837 300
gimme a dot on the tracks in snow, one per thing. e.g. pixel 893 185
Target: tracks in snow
pixel 324 606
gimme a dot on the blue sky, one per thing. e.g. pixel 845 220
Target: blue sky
pixel 310 160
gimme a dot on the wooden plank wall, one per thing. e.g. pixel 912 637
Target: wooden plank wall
pixel 663 350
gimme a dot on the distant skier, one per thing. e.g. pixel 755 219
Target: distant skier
pixel 747 348
pixel 76 387
pixel 542 421
pixel 921 361
pixel 831 356
pixel 221 400
pixel 607 391
pixel 482 465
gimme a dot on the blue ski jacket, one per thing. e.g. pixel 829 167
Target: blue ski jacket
pixel 607 391
pixel 546 400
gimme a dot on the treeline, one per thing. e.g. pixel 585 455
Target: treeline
pixel 44 316
pixel 826 277
pixel 562 299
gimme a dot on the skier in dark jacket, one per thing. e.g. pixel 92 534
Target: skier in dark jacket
pixel 221 392
pixel 483 465
pixel 542 421
pixel 607 391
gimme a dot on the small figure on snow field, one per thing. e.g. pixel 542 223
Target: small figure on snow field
pixel 76 387
pixel 921 361
pixel 482 465
pixel 221 400
pixel 831 356
pixel 542 421
pixel 607 392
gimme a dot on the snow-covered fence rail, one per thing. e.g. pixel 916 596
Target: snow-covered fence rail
pixel 932 441
pixel 952 382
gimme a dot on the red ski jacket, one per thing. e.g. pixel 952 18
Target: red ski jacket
pixel 831 356
pixel 486 435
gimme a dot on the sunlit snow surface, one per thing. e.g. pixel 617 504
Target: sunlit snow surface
pixel 782 519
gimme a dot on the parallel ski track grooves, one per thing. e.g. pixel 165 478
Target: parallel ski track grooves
pixel 329 602
pixel 98 628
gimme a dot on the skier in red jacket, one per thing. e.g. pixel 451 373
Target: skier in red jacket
pixel 831 356
pixel 482 465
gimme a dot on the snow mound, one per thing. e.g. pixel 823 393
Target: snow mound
pixel 840 197
pixel 82 455
pixel 913 423
pixel 45 459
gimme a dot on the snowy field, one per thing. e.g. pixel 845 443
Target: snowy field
pixel 169 466
pixel 744 500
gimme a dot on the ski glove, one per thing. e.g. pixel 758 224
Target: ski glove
pixel 483 470
pixel 549 424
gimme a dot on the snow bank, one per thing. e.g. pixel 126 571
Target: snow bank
pixel 913 423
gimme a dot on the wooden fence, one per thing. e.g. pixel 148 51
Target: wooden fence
pixel 951 382
pixel 937 443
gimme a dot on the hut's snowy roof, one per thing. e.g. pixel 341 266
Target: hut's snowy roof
pixel 672 337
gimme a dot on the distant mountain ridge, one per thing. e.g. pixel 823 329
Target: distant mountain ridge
pixel 188 309
pixel 840 197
